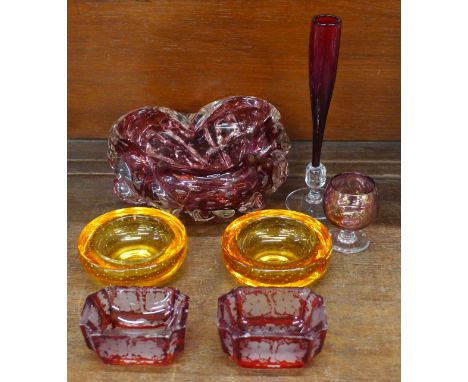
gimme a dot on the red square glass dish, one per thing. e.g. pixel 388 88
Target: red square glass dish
pixel 271 327
pixel 135 325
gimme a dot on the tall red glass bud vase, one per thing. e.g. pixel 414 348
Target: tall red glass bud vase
pixel 324 46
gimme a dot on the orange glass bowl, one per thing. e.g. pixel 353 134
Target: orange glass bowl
pixel 276 248
pixel 138 246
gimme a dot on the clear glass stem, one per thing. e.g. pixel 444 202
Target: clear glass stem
pixel 314 196
pixel 347 237
pixel 345 241
pixel 308 200
pixel 315 178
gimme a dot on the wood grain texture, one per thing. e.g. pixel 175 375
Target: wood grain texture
pixel 362 292
pixel 185 53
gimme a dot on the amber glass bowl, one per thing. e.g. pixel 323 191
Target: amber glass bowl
pixel 133 246
pixel 276 248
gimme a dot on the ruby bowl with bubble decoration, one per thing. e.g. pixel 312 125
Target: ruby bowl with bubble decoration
pixel 218 161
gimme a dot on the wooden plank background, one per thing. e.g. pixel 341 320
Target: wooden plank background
pixel 186 53
pixel 362 291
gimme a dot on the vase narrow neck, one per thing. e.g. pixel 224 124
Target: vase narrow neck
pixel 324 45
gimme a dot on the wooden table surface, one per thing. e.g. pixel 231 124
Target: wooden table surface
pixel 362 291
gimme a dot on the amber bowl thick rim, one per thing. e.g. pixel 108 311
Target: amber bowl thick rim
pixel 176 247
pixel 230 248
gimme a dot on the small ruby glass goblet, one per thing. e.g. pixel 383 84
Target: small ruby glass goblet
pixel 350 202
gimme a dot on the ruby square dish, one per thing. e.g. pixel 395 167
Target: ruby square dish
pixel 271 327
pixel 135 325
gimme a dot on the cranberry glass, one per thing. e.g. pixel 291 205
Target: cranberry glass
pixel 268 327
pixel 216 162
pixel 350 203
pixel 324 46
pixel 135 325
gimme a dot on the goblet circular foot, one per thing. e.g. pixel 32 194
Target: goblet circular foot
pixel 297 201
pixel 349 241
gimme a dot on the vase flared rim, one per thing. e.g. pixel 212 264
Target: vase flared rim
pixel 329 20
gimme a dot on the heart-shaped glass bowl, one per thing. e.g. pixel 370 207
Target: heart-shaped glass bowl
pixel 133 246
pixel 276 248
pixel 216 162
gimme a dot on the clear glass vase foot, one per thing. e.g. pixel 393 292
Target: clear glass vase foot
pixel 297 201
pixel 349 241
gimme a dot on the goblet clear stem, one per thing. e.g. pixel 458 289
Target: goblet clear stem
pixel 308 200
pixel 346 241
pixel 348 237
